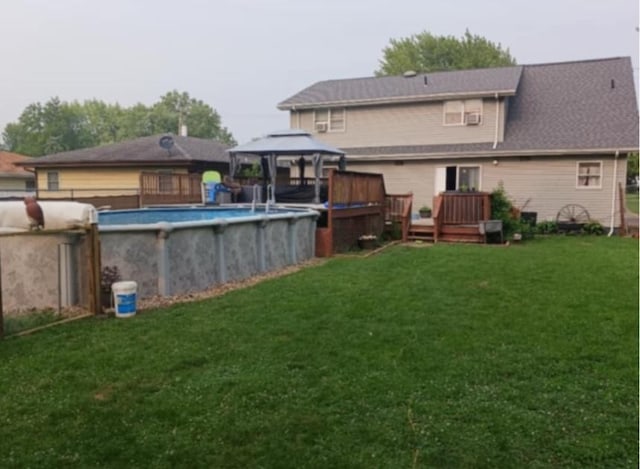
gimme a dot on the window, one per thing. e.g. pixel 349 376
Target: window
pixel 30 185
pixel 468 112
pixel 458 178
pixel 468 178
pixel 589 175
pixel 332 120
pixel 52 181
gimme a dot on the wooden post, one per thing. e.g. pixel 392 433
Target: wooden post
pixel 95 269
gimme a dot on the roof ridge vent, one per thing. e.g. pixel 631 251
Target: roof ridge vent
pixel 410 73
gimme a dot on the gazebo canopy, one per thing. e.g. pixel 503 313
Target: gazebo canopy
pixel 292 142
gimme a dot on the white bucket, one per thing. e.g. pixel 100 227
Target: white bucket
pixel 124 298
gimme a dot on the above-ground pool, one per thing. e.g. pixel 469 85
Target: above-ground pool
pixel 172 251
pixel 180 215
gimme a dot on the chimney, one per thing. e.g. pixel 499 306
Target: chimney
pixel 183 130
pixel 426 81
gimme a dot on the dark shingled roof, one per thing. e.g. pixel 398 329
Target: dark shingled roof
pixel 574 105
pixel 559 107
pixel 140 151
pixel 371 90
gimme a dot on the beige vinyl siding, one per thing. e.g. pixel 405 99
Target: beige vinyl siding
pixel 406 124
pixel 13 184
pixel 546 184
pixel 540 184
pixel 95 181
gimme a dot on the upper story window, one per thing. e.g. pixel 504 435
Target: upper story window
pixel 589 175
pixel 467 112
pixel 329 120
pixel 52 181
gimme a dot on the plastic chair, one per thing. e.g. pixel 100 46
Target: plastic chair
pixel 211 181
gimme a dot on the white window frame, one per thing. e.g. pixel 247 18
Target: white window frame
pixel 53 181
pixel 329 119
pixel 599 176
pixel 466 106
pixel 473 166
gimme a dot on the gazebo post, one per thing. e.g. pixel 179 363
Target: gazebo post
pixel 317 169
pixel 273 170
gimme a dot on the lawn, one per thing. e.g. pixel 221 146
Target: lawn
pixel 445 356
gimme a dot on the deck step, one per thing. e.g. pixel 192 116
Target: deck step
pixel 448 233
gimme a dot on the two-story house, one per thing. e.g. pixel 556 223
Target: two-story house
pixel 552 134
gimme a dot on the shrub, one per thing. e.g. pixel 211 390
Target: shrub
pixel 547 227
pixel 593 228
pixel 502 209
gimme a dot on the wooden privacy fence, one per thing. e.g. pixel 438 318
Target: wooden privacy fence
pixel 355 207
pixel 166 189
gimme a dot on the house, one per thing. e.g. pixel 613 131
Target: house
pixel 15 181
pixel 552 135
pixel 121 174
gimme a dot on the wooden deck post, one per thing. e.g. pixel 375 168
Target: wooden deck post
pixel 95 269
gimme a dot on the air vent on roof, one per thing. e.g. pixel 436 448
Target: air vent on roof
pixel 166 142
pixel 410 73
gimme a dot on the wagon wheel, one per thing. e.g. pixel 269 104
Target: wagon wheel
pixel 573 213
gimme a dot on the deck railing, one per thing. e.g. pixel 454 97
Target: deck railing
pixel 159 188
pixel 398 211
pixel 460 208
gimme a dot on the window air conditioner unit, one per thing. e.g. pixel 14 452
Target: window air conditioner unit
pixel 473 119
pixel 321 126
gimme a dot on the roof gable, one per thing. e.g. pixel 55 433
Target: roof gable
pixel 419 87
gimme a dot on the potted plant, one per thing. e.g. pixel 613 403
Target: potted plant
pixel 110 275
pixel 367 241
pixel 425 211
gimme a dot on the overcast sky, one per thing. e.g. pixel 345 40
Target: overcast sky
pixel 243 57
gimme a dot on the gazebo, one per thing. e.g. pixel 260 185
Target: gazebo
pixel 292 142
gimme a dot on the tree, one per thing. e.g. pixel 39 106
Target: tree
pixel 176 109
pixel 425 52
pixel 60 126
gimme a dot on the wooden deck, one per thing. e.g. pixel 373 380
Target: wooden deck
pixel 456 219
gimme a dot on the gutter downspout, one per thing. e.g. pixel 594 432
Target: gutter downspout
pixel 613 191
pixel 495 138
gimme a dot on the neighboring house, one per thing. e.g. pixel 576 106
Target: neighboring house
pixel 115 170
pixel 551 134
pixel 15 181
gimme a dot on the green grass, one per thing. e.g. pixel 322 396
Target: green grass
pixel 633 202
pixel 14 324
pixel 448 356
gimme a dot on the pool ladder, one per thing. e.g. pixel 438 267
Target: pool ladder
pixel 256 196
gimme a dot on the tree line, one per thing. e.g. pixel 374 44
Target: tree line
pixel 57 126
